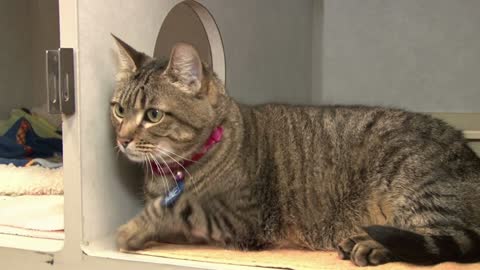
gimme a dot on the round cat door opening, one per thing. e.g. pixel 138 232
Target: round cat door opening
pixel 192 23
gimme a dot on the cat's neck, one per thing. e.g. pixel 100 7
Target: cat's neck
pixel 230 147
pixel 180 166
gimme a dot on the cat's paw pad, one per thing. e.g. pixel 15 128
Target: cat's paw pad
pixel 363 251
pixel 344 249
pixel 369 253
pixel 129 237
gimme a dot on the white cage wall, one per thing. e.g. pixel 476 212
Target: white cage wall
pixel 28 28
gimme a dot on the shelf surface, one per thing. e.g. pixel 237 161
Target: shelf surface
pixel 105 248
pixel 30 243
pixel 204 257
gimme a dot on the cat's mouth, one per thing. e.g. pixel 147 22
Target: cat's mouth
pixel 149 157
pixel 135 157
pixel 141 153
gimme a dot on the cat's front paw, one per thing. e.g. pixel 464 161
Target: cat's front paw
pixel 130 236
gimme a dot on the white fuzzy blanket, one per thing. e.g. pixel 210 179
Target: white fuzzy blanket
pixel 32 215
pixel 34 180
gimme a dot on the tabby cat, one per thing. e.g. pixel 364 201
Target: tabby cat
pixel 376 184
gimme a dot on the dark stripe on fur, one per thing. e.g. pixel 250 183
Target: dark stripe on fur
pixel 236 214
pixel 134 97
pixel 185 215
pixel 148 212
pixel 228 224
pixel 209 223
pixel 473 254
pixel 217 224
pixel 143 101
pixel 447 247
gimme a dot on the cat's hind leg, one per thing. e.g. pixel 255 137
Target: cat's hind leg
pixel 422 245
pixel 429 245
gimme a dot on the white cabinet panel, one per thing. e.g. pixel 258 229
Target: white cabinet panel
pixel 267 48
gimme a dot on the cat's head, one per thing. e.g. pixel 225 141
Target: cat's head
pixel 164 110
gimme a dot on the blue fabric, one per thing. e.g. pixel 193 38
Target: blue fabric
pixel 14 161
pixel 19 152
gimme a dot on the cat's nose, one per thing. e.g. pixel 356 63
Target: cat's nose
pixel 124 141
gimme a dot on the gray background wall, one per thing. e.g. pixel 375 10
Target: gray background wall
pixel 421 55
pixel 268 47
pixel 45 35
pixel 28 27
pixel 15 73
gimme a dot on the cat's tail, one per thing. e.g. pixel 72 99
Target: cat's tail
pixel 460 244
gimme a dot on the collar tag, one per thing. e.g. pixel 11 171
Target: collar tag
pixel 175 192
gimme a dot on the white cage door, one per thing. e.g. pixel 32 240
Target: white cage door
pixel 192 23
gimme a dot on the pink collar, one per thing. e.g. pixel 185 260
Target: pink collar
pixel 214 138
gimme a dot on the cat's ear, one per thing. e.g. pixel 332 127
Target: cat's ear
pixel 185 68
pixel 129 60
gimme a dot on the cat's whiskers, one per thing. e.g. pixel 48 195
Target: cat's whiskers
pixel 168 167
pixel 164 180
pixel 173 153
pixel 191 177
pixel 147 162
pixel 164 175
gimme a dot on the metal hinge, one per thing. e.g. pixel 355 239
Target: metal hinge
pixel 60 81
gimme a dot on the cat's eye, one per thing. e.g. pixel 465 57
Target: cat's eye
pixel 119 110
pixel 154 115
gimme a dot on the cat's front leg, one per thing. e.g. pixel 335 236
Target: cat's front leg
pixel 192 220
pixel 152 222
pixel 133 235
pixel 162 223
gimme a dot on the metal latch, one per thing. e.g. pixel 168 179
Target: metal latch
pixel 60 81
